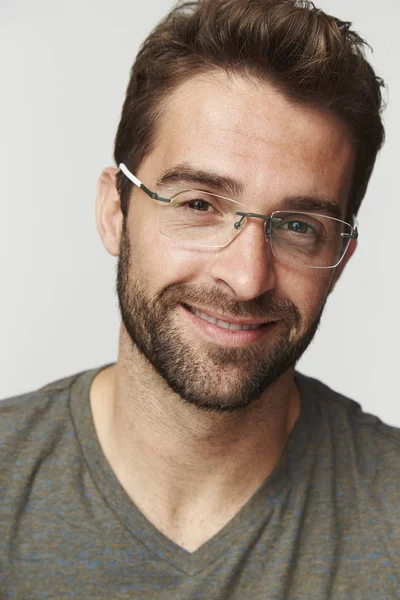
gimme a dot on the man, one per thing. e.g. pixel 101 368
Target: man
pixel 201 465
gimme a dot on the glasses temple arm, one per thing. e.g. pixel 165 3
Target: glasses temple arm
pixel 354 235
pixel 141 185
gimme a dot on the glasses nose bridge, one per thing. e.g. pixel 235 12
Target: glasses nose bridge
pixel 267 222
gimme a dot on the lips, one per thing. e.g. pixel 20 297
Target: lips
pixel 224 324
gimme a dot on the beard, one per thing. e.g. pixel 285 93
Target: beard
pixel 208 376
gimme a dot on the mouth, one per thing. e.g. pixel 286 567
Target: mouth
pixel 225 324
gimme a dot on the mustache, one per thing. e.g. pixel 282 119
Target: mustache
pixel 264 307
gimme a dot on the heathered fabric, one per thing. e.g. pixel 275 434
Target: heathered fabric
pixel 324 525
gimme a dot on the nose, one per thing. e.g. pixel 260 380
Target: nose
pixel 246 265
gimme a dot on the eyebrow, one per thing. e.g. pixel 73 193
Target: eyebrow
pixel 323 205
pixel 227 185
pixel 183 173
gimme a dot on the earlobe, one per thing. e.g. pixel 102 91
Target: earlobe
pixel 109 217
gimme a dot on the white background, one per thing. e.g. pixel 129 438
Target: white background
pixel 64 69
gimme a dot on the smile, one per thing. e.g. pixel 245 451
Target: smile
pixel 223 324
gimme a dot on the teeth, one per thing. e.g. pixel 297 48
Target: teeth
pixel 223 324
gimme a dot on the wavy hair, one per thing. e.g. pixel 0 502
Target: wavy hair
pixel 309 56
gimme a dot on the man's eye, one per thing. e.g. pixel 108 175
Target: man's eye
pixel 298 227
pixel 200 205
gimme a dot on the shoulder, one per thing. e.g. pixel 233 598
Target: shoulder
pixel 355 458
pixel 358 437
pixel 340 408
pixel 28 422
pixel 22 408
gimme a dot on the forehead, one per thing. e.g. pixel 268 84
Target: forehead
pixel 249 130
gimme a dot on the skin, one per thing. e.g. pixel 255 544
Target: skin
pixel 188 470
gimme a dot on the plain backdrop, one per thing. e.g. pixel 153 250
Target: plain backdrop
pixel 63 75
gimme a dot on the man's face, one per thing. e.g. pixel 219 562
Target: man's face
pixel 168 290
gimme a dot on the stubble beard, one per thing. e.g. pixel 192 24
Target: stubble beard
pixel 208 376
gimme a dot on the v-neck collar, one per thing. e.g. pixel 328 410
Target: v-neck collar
pixel 238 531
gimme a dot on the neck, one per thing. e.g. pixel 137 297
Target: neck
pixel 159 447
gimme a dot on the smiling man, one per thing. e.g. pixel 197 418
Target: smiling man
pixel 201 464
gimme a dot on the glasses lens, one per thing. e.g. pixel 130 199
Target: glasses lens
pixel 199 218
pixel 308 240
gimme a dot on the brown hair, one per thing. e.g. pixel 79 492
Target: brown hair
pixel 309 56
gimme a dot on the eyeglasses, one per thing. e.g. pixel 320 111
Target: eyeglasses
pixel 200 218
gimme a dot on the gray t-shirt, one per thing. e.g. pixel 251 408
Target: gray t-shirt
pixel 324 525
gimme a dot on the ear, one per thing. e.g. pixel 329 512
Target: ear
pixel 109 217
pixel 340 268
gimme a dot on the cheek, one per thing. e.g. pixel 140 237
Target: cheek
pixel 161 261
pixel 306 288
